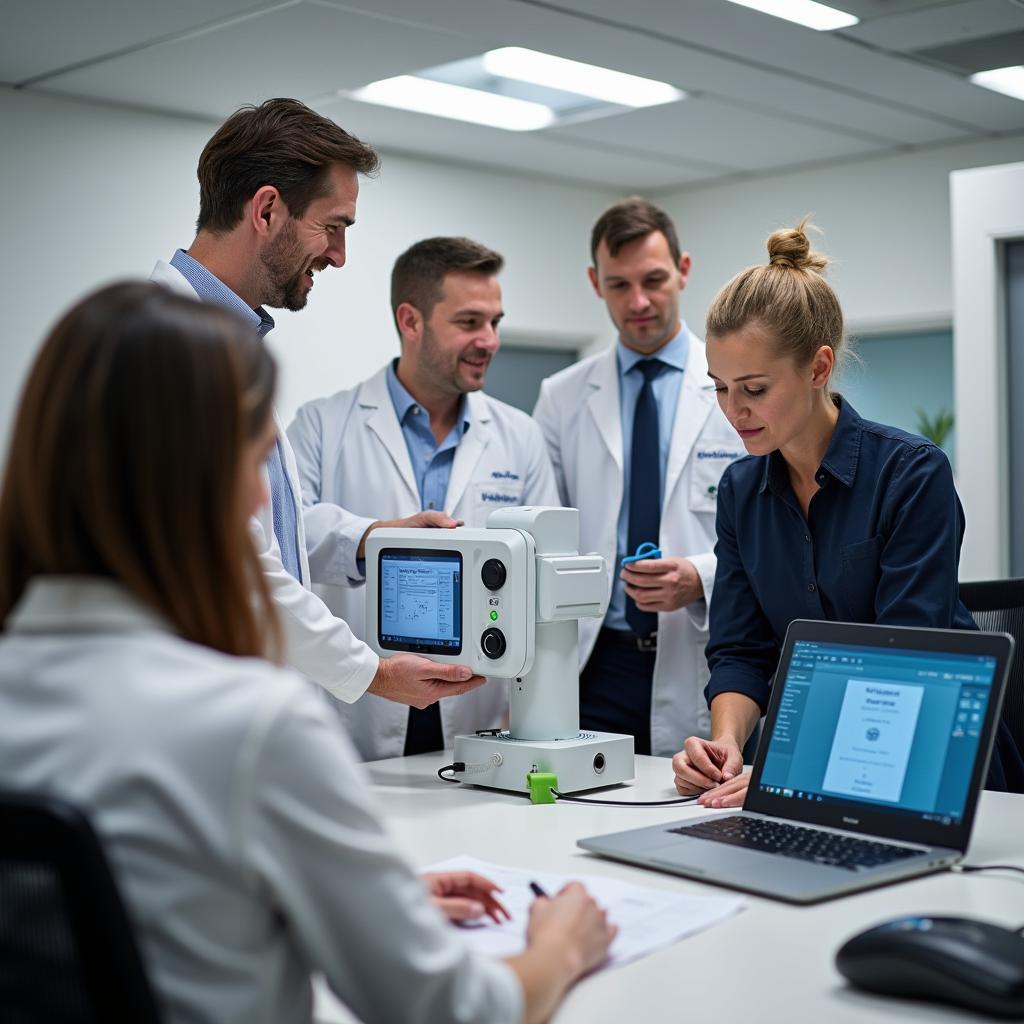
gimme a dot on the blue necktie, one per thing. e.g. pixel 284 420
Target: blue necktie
pixel 282 504
pixel 644 483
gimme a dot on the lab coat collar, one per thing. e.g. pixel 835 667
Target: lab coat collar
pixel 601 395
pixel 81 604
pixel 403 401
pixel 841 456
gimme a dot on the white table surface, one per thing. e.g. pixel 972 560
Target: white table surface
pixel 770 963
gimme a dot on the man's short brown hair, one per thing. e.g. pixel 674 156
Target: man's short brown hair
pixel 629 219
pixel 418 274
pixel 281 143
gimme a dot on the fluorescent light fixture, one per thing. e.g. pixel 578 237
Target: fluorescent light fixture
pixel 544 69
pixel 1008 81
pixel 426 96
pixel 803 12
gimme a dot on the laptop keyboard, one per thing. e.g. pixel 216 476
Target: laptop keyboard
pixel 809 844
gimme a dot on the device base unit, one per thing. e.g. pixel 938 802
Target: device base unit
pixel 591 760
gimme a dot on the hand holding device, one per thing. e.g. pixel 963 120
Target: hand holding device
pixel 420 682
pixel 659 584
pixel 433 519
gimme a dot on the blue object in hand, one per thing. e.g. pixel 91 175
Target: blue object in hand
pixel 646 550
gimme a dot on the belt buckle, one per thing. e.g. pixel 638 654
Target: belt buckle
pixel 647 643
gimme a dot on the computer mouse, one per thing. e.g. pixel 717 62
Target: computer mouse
pixel 956 960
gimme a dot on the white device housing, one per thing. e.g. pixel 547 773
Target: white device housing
pixel 548 588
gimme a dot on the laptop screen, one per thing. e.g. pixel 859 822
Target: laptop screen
pixel 889 730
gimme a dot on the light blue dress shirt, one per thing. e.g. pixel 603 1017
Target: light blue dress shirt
pixel 666 387
pixel 431 462
pixel 282 499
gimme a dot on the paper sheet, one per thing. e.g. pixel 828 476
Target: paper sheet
pixel 648 919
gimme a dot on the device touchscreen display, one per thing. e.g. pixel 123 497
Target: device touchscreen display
pixel 420 601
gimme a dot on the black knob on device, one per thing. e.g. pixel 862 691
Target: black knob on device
pixel 493 643
pixel 493 574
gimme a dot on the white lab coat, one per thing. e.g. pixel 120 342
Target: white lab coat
pixel 235 816
pixel 318 644
pixel 352 456
pixel 579 414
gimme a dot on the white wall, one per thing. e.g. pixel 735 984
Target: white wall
pixel 886 222
pixel 987 209
pixel 91 193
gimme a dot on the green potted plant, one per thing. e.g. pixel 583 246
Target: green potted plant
pixel 936 428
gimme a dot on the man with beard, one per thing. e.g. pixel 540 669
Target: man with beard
pixel 420 435
pixel 278 186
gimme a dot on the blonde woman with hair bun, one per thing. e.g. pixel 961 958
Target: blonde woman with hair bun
pixel 829 517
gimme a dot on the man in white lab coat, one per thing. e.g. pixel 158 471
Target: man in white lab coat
pixel 420 435
pixel 638 445
pixel 278 188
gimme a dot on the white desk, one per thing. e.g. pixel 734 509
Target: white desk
pixel 770 963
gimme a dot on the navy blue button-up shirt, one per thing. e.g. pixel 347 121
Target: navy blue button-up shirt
pixel 880 544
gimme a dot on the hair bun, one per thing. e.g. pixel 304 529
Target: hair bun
pixel 791 248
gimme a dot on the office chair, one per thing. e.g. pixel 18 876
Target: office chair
pixel 999 605
pixel 67 952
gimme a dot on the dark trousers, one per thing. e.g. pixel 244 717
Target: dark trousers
pixel 424 733
pixel 615 690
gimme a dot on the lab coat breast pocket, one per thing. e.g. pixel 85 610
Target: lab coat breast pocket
pixel 708 466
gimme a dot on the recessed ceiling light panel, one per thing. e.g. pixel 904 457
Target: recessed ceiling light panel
pixel 426 96
pixel 1008 81
pixel 803 12
pixel 545 69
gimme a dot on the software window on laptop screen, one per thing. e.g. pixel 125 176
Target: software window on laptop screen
pixel 897 730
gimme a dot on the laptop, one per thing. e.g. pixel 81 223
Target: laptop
pixel 874 752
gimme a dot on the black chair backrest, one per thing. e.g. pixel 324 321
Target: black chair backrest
pixel 998 605
pixel 67 951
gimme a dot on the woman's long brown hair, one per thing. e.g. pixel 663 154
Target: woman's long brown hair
pixel 125 463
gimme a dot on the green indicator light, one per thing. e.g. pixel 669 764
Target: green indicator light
pixel 494 616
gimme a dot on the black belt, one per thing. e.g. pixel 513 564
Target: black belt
pixel 626 638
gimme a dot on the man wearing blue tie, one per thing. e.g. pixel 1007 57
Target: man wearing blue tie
pixel 278 185
pixel 638 444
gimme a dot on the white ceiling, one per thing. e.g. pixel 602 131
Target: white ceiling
pixel 764 94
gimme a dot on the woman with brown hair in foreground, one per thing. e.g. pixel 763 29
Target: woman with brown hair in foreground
pixel 134 622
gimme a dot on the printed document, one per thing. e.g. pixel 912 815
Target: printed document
pixel 648 919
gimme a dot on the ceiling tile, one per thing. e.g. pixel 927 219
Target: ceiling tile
pixel 539 153
pixel 42 37
pixel 937 26
pixel 679 52
pixel 729 135
pixel 302 50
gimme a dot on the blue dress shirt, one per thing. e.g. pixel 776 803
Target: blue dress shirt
pixel 431 462
pixel 211 289
pixel 880 544
pixel 666 386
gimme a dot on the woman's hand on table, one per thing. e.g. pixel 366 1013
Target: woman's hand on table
pixel 703 765
pixel 465 896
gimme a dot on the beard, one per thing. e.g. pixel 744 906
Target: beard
pixel 284 266
pixel 444 367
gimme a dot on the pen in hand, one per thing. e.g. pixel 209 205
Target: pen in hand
pixel 537 890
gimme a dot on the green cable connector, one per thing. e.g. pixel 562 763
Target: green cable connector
pixel 540 785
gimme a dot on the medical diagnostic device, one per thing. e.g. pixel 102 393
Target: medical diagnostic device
pixel 505 600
